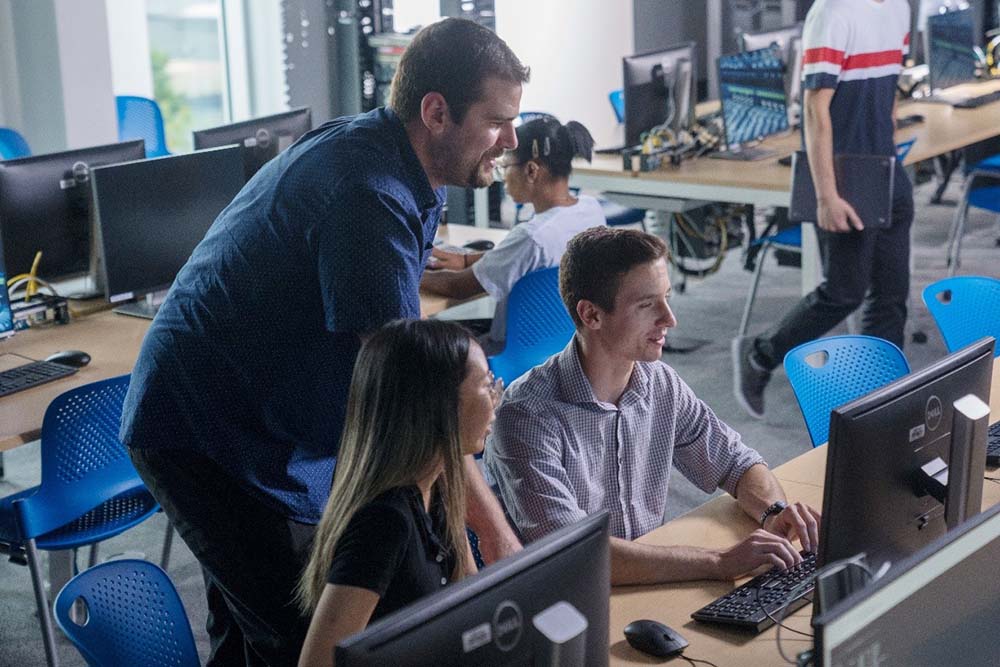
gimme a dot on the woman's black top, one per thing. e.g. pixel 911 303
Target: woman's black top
pixel 392 546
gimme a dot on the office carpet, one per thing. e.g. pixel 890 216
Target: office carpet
pixel 708 310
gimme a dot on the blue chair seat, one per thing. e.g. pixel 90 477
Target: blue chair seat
pixel 986 198
pixel 616 214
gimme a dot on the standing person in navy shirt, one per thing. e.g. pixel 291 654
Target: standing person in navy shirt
pixel 237 401
pixel 853 53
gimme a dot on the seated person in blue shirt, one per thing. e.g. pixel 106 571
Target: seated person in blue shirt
pixel 237 400
pixel 421 399
pixel 537 173
pixel 600 425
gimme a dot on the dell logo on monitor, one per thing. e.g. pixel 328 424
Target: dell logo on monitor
pixel 933 412
pixel 507 625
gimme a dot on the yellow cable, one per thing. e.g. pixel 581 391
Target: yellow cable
pixel 32 287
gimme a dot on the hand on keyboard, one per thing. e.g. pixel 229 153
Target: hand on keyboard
pixel 761 548
pixel 797 521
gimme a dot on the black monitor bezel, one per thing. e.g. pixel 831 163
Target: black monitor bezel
pixel 236 134
pixel 412 617
pixel 629 65
pixel 875 400
pixel 129 151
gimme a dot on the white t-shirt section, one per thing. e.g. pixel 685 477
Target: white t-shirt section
pixel 536 244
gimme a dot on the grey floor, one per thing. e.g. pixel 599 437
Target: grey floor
pixel 708 310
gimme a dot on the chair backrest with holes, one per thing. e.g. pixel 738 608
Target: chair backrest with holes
pixel 829 372
pixel 966 308
pixel 129 614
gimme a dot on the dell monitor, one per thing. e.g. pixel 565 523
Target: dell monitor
pixel 905 462
pixel 151 214
pixel 782 37
pixel 45 206
pixel 260 138
pixel 659 90
pixel 950 47
pixel 752 92
pixel 547 605
pixel 938 607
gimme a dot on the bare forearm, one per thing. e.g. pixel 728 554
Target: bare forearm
pixel 819 145
pixel 757 490
pixel 485 516
pixel 635 563
pixel 452 284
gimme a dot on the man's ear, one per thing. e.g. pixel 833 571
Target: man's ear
pixel 434 112
pixel 590 314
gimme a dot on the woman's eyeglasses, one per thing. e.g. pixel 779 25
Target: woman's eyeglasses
pixel 496 390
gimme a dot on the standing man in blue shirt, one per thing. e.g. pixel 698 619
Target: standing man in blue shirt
pixel 237 400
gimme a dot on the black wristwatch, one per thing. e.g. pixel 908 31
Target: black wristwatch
pixel 777 507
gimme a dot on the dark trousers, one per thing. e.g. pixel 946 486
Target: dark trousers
pixel 869 268
pixel 251 556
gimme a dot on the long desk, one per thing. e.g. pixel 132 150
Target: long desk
pixel 767 183
pixel 720 523
pixel 113 343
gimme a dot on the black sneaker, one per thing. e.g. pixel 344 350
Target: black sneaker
pixel 749 379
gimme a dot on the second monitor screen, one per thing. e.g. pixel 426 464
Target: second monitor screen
pixel 752 91
pixel 152 214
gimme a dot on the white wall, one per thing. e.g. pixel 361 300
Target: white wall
pixel 574 49
pixel 131 69
pixel 85 73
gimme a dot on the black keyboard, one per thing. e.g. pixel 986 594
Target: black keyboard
pixel 993 446
pixel 745 606
pixel 975 102
pixel 30 375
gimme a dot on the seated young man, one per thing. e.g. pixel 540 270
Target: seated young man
pixel 599 426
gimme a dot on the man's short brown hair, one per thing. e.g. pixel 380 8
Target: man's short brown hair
pixel 595 261
pixel 452 57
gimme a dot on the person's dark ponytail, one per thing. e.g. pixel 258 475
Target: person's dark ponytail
pixel 554 145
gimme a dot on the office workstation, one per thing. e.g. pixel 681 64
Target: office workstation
pixel 98 251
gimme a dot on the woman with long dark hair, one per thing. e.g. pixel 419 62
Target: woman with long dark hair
pixel 393 530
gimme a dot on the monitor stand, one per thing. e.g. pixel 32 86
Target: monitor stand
pixel 145 308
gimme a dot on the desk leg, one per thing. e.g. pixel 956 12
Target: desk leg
pixel 812 267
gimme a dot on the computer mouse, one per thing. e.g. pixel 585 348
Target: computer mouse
pixel 654 638
pixel 74 358
pixel 479 245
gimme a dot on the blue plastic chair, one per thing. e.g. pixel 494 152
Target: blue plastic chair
pixel 12 144
pixel 829 372
pixel 617 99
pixel 140 118
pixel 538 325
pixel 89 492
pixel 980 190
pixel 131 615
pixel 966 308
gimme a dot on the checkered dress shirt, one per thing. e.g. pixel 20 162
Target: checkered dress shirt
pixel 558 454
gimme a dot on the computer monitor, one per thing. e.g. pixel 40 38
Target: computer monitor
pixel 151 214
pixel 261 138
pixel 752 92
pixel 782 37
pixel 950 47
pixel 938 607
pixel 45 205
pixel 886 493
pixel 547 605
pixel 659 89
